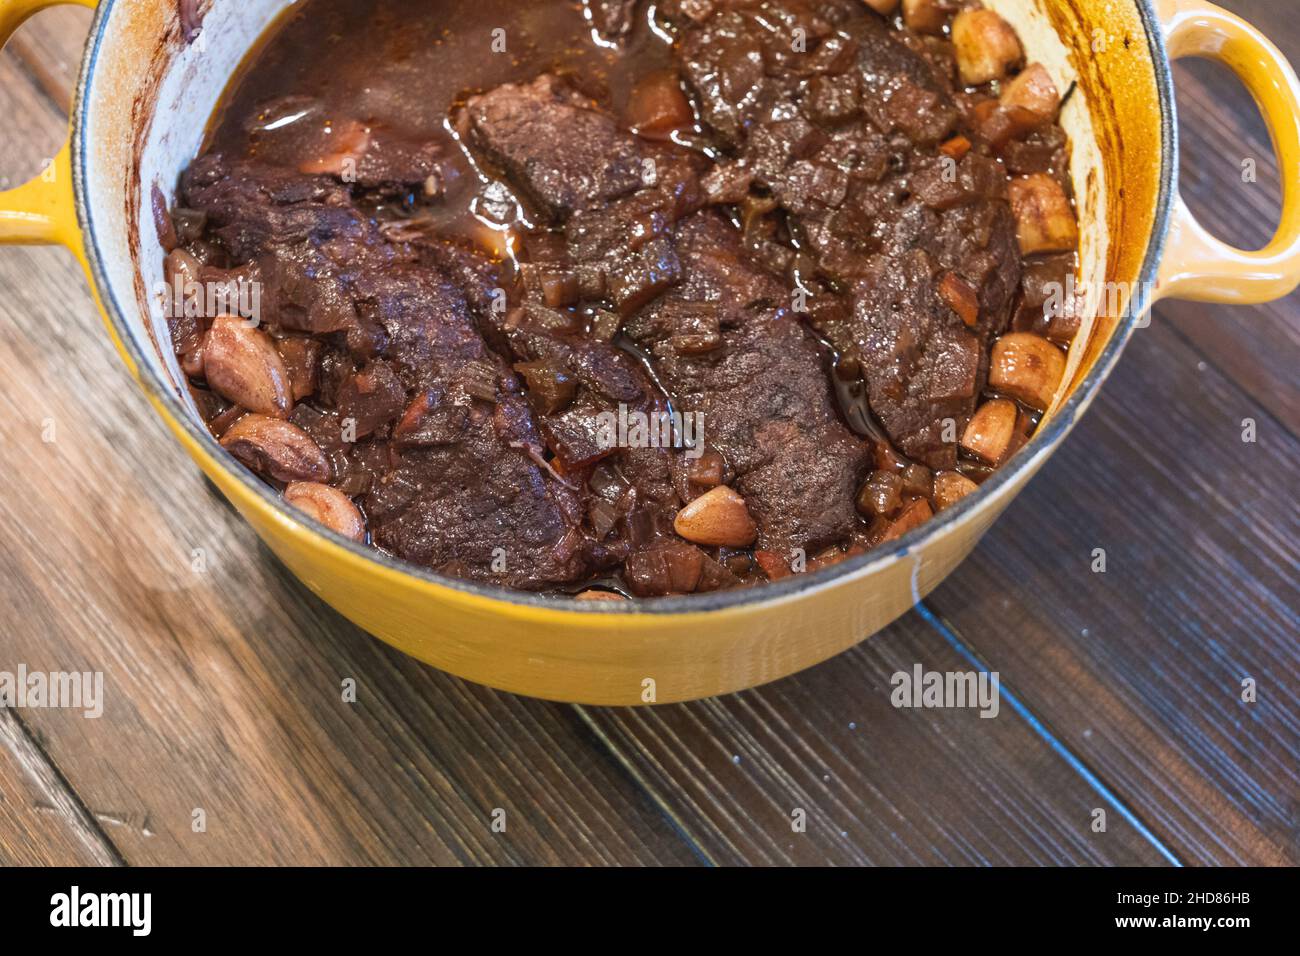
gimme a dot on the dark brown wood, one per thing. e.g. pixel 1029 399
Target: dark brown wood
pixel 879 785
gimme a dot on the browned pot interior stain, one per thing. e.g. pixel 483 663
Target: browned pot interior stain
pixel 1116 73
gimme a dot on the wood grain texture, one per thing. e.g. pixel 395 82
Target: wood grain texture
pixel 49 48
pixel 224 685
pixel 41 821
pixel 879 785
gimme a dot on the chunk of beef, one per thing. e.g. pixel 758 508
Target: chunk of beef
pixel 922 365
pixel 447 453
pixel 393 165
pixel 763 391
pixel 580 428
pixel 901 90
pixel 371 398
pixel 251 206
pixel 602 377
pixel 555 146
pixel 478 277
pixel 295 228
pixel 305 290
pixel 628 244
pixel 471 476
pixel 482 508
pixel 620 200
pixel 722 56
pixel 879 212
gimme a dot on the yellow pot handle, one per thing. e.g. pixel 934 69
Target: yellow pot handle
pixel 43 210
pixel 1196 265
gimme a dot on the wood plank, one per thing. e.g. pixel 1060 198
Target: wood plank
pixel 1140 669
pixel 49 47
pixel 223 687
pixel 34 133
pixel 41 821
pixel 879 785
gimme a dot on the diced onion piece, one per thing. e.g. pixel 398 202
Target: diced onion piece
pixel 1033 91
pixel 189 224
pixel 1002 124
pixel 951 487
pixel 989 434
pixel 913 516
pixel 657 107
pixel 671 567
pixel 925 16
pixel 987 48
pixel 181 270
pixel 551 387
pixel 480 380
pixel 881 494
pixel 961 298
pixel 834 555
pixel 956 148
pixel 707 470
pixel 1045 221
pixel 552 283
pixel 603 517
pixel 301 356
pixel 918 481
pixel 1028 368
pixel 773 565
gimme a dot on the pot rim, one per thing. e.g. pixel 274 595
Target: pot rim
pixel 1042 445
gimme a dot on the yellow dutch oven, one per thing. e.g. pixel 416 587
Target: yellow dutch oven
pixel 142 105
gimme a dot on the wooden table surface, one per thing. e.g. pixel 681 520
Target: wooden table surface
pixel 1121 690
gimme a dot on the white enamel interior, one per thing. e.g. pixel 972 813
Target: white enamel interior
pixel 193 80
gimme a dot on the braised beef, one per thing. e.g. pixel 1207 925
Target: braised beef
pixel 465 487
pixel 762 390
pixel 533 303
pixel 724 340
pixel 882 216
pixel 555 146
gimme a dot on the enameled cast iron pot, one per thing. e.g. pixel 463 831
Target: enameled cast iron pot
pixel 142 106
